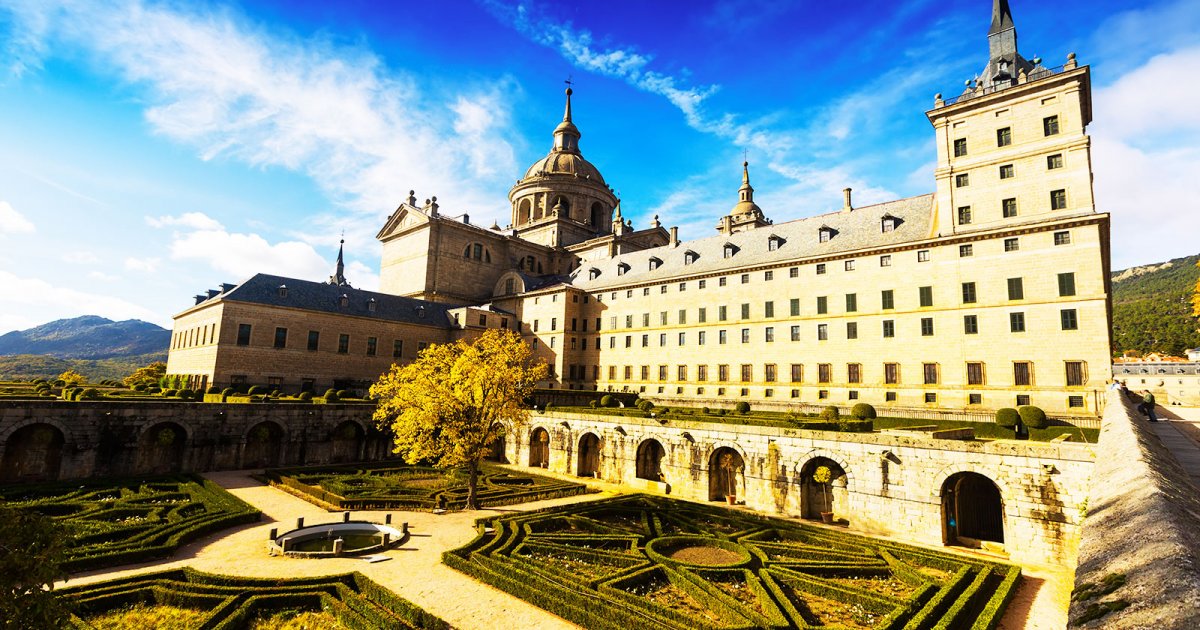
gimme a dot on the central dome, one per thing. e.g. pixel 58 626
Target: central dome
pixel 562 163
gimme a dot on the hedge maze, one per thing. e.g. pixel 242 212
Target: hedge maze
pixel 397 486
pixel 642 561
pixel 113 522
pixel 232 603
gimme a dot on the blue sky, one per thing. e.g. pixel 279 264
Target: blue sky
pixel 151 150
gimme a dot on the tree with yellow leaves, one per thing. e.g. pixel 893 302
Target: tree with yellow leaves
pixel 147 374
pixel 1196 297
pixel 449 406
pixel 71 378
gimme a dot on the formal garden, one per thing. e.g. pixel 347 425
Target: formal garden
pixel 398 486
pixel 641 561
pixel 108 522
pixel 184 598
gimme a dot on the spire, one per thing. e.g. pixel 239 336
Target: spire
pixel 566 134
pixel 339 276
pixel 1002 36
pixel 1001 17
pixel 746 192
pixel 567 111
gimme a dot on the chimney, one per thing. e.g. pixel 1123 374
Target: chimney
pixel 846 205
pixel 674 236
pixel 467 219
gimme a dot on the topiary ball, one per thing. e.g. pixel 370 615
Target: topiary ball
pixel 1007 417
pixel 830 413
pixel 742 407
pixel 306 396
pixel 1033 417
pixel 862 411
pixel 607 400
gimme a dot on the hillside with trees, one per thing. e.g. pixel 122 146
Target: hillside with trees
pixel 1153 307
pixel 88 337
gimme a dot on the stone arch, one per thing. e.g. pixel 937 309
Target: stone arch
pixel 497 451
pixel 817 497
pixel 346 442
pixel 509 283
pixel 939 478
pixel 264 443
pixel 726 473
pixel 597 214
pixel 650 454
pixel 589 455
pixel 32 452
pixel 539 448
pixel 524 211
pixel 972 510
pixel 68 435
pixel 563 204
pixel 161 447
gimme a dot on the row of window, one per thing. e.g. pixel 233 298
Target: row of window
pixel 1073 401
pixel 197 336
pixel 1009 171
pixel 975 373
pixel 1004 135
pixel 1008 210
pixel 314 341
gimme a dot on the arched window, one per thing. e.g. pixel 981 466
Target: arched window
pixel 476 251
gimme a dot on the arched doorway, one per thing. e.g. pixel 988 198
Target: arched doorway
pixel 539 448
pixel 589 455
pixel 264 441
pixel 649 460
pixel 822 487
pixel 32 453
pixel 496 452
pixel 726 474
pixel 972 510
pixel 345 443
pixel 161 448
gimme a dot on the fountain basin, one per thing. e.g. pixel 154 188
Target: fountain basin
pixel 318 541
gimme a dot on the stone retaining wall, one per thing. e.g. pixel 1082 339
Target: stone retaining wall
pixel 1143 523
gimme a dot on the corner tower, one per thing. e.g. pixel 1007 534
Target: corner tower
pixel 562 199
pixel 1012 147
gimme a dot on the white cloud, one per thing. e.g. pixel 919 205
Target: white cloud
pixel 80 257
pixel 32 301
pixel 102 277
pixel 143 265
pixel 242 255
pixel 190 220
pixel 13 222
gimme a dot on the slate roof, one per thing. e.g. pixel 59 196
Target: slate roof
pixel 326 298
pixel 854 230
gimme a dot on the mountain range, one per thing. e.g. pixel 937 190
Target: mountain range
pixel 94 346
pixel 1152 307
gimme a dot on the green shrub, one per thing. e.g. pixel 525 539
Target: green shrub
pixel 645 405
pixel 1033 417
pixel 90 393
pixel 330 392
pixel 140 387
pixel 228 391
pixel 186 394
pixel 830 413
pixel 593 403
pixel 170 393
pixel 153 390
pixel 305 396
pixel 331 396
pixel 862 411
pixel 608 400
pixel 549 407
pixel 213 390
pixel 720 412
pixel 742 407
pixel 1007 417
pixel 704 410
pixel 256 390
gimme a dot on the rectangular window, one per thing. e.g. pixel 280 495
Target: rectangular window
pixel 889 328
pixel 887 300
pixel 682 287
pixel 701 373
pixel 854 373
pixel 1009 208
pixel 769 334
pixel 797 373
pixel 891 373
pixel 822 394
pixel 794 306
pixel 682 316
pixel 1016 322
pixel 721 337
pixel 628 322
pixel 243 338
pixel 1070 319
pixel 822 305
pixel 645 372
pixel 1012 244
pixel 373 346
pixel 971 324
pixel 628 341
pixel 702 315
pixel 822 332
pixel 1022 373
pixel 662 318
pixel 681 373
pixel 722 373
pixel 1062 238
pixel 851 302
pixel 1050 125
pixel 974 399
pixel 930 371
pixel 885 260
pixel 1016 289
pixel 926 326
pixel 1066 284
pixel 795 333
pixel 961 180
pixel 968 293
pixel 849 265
pixel 1008 171
pixel 769 373
pixel 314 340
pixel 889 396
pixel 722 313
pixel 701 337
pixel 965 251
pixel 926 296
pixel 721 281
pixel 281 337
pixel 745 335
pixel 820 269
pixel 1075 374
pixel 1004 137
pixel 964 215
pixel 662 372
pixel 960 147
pixel 975 373
pixel 1054 161
pixel 397 348
pixel 343 343
pixel 554 323
pixel 628 372
pixel 770 275
pixel 793 272
pixel 702 284
pixel 1075 401
pixel 852 330
pixel 824 372
pixel 769 309
pixel 645 341
pixel 682 338
pixel 930 397
pixel 1058 199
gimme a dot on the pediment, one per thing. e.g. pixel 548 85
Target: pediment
pixel 404 218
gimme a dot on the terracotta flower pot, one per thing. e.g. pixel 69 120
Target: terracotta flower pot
pixel 731 498
pixel 827 517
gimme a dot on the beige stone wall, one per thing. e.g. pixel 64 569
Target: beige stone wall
pixel 893 485
pixel 1171 384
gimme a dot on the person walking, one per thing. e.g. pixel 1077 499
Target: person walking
pixel 1148 405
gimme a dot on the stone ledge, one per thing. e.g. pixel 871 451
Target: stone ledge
pixel 1144 523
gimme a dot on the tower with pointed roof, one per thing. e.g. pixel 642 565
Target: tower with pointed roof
pixel 339 271
pixel 746 215
pixel 562 199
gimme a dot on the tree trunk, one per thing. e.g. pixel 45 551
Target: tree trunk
pixel 472 483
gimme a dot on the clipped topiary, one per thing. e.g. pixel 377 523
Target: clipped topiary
pixel 330 392
pixel 705 410
pixel 90 393
pixel 1007 417
pixel 343 393
pixel 254 391
pixel 213 390
pixel 228 391
pixel 742 407
pixel 306 396
pixel 862 411
pixel 830 413
pixel 169 393
pixel 607 400
pixel 332 396
pixel 593 403
pixel 1033 417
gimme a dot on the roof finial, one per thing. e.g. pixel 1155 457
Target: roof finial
pixel 339 275
pixel 746 192
pixel 567 112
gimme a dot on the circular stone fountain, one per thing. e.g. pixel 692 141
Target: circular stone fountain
pixel 331 540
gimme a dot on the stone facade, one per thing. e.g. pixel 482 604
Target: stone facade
pixel 1171 382
pixel 892 485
